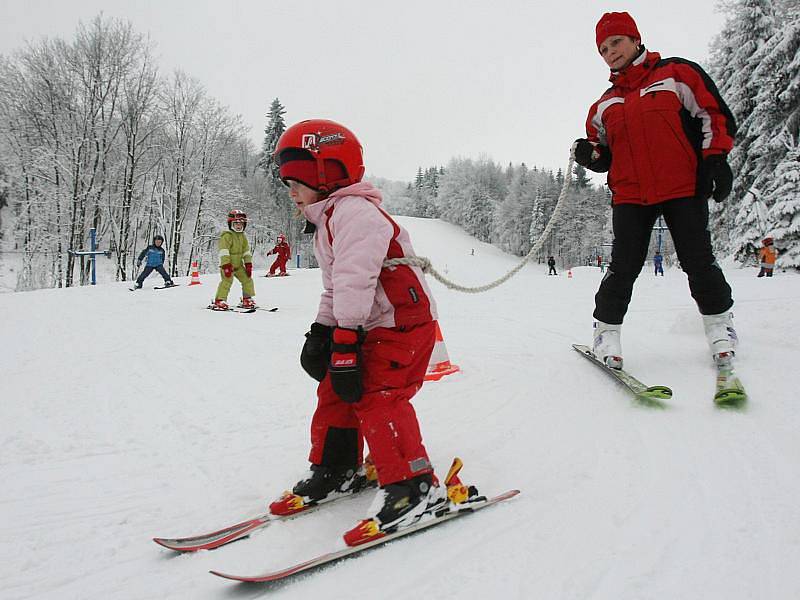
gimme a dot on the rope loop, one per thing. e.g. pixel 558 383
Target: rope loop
pixel 425 264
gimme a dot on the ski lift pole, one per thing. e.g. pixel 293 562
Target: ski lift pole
pixel 660 228
pixel 92 253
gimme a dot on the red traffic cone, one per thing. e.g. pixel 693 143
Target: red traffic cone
pixel 569 273
pixel 439 364
pixel 195 274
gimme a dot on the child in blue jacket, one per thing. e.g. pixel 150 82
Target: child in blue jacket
pixel 155 262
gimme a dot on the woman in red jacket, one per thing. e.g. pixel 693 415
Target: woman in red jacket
pixel 663 133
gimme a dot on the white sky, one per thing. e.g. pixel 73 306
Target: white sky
pixel 419 82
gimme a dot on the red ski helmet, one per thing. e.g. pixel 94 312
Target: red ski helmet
pixel 320 154
pixel 767 241
pixel 237 216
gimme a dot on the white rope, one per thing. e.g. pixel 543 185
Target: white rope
pixel 424 263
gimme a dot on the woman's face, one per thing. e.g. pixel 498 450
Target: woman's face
pixel 302 195
pixel 619 51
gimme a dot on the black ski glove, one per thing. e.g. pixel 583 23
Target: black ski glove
pixel 316 351
pixel 714 178
pixel 345 365
pixel 594 157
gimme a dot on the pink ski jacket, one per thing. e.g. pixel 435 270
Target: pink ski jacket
pixel 353 238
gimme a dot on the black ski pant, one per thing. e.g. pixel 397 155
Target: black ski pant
pixel 687 220
pixel 146 273
pixel 552 271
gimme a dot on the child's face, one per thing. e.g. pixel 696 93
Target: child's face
pixel 237 226
pixel 302 195
pixel 159 242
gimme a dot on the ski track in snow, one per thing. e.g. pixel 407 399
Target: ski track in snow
pixel 130 415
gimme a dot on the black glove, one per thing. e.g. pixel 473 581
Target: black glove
pixel 583 152
pixel 594 157
pixel 316 351
pixel 345 365
pixel 714 178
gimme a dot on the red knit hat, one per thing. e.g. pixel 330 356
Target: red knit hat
pixel 616 23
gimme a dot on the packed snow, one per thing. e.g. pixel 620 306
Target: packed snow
pixel 132 415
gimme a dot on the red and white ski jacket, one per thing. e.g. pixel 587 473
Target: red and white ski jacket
pixel 659 119
pixel 353 238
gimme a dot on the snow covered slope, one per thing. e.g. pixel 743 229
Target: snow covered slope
pixel 128 415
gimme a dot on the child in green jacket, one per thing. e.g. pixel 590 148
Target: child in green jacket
pixel 235 259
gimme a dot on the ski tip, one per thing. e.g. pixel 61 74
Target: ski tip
pixel 164 543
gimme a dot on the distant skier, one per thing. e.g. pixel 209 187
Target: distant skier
pixel 236 260
pixel 658 261
pixel 371 342
pixel 283 253
pixel 767 256
pixel 663 132
pixel 551 262
pixel 155 262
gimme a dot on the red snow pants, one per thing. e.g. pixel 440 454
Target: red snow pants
pixel 394 362
pixel 280 263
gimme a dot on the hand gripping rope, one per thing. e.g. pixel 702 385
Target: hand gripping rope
pixel 424 263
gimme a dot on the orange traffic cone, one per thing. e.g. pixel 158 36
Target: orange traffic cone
pixel 195 274
pixel 439 364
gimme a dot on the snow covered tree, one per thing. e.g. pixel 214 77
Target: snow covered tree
pixel 784 215
pixel 272 133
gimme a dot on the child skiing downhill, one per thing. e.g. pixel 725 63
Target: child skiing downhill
pixel 371 341
pixel 236 260
pixel 767 257
pixel 155 262
pixel 283 253
pixel 658 264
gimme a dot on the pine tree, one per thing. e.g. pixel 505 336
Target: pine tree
pixel 733 64
pixel 272 133
pixel 785 213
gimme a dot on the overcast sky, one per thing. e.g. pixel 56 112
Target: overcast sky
pixel 420 82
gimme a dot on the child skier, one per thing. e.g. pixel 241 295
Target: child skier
pixel 767 256
pixel 658 263
pixel 155 262
pixel 551 262
pixel 369 347
pixel 283 253
pixel 235 259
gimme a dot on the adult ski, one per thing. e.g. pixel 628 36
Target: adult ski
pixel 729 392
pixel 325 559
pixel 645 395
pixel 166 287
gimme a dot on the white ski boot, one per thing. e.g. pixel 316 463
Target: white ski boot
pixel 607 345
pixel 721 337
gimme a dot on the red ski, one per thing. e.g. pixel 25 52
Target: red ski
pixel 239 531
pixel 330 557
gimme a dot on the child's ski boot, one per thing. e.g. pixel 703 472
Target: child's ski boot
pixel 323 484
pixel 401 504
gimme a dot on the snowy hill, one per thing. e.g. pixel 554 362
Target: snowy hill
pixel 128 415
